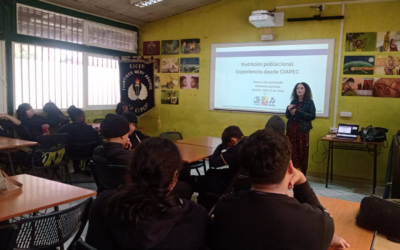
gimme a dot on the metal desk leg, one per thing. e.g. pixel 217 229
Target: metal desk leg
pixel 375 156
pixel 332 163
pixel 327 165
pixel 11 163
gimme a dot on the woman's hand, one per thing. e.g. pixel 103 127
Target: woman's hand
pixel 128 144
pixel 290 106
pixel 338 243
pixel 292 111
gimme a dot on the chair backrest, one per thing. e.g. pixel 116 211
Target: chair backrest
pixel 81 144
pixel 24 133
pixel 51 148
pixel 98 120
pixel 173 136
pixel 108 177
pixel 50 230
pixel 81 245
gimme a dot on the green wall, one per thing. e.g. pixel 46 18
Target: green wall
pixel 227 22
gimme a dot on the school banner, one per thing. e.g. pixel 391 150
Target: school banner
pixel 137 88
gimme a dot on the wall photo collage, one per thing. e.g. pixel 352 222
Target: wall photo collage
pixel 373 74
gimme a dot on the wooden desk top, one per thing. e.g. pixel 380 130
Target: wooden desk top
pixel 10 143
pixel 205 141
pixel 381 243
pixel 192 153
pixel 344 214
pixel 358 141
pixel 37 194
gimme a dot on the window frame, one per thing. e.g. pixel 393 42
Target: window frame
pixel 85 76
pixel 3 77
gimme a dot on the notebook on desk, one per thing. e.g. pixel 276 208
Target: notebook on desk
pixel 347 132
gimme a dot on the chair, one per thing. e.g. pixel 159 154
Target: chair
pixel 24 133
pixel 51 148
pixel 174 136
pixel 98 120
pixel 81 245
pixel 81 145
pixel 108 177
pixel 51 230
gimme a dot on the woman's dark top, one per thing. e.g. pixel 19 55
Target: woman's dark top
pixel 257 220
pixel 34 125
pixel 5 126
pixel 305 115
pixel 184 228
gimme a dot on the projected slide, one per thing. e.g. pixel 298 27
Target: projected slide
pixel 260 77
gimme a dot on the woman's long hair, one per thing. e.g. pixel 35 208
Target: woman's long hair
pixel 152 169
pixel 21 111
pixel 307 94
pixel 119 110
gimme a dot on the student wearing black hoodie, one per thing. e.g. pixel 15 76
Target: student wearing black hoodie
pixel 34 123
pixel 135 136
pixel 144 214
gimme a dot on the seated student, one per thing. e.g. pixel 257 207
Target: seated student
pixel 144 214
pixel 227 153
pixel 8 122
pixel 35 124
pixel 265 217
pixel 122 108
pixel 84 134
pixel 276 123
pixel 135 136
pixel 115 129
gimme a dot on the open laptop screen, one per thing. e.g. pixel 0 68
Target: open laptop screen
pixel 347 130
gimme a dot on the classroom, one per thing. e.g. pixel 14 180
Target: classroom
pixel 199 124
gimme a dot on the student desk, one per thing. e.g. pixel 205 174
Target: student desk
pixel 356 145
pixel 97 126
pixel 193 153
pixel 344 214
pixel 205 141
pixel 8 144
pixel 37 194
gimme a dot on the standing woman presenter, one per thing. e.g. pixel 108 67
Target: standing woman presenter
pixel 300 113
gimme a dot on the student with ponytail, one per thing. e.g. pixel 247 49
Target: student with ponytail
pixel 144 214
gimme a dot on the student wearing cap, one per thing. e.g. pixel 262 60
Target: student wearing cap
pixel 135 136
pixel 115 129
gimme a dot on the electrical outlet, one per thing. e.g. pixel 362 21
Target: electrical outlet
pixel 333 130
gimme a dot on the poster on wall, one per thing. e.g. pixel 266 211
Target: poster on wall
pixel 387 65
pixel 357 86
pixel 170 65
pixel 358 65
pixel 386 87
pixel 156 81
pixel 156 65
pixel 137 90
pixel 189 81
pixel 358 42
pixel 169 81
pixel 388 41
pixel 170 47
pixel 190 46
pixel 151 48
pixel 170 97
pixel 190 65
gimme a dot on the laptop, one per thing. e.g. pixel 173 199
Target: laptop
pixel 347 132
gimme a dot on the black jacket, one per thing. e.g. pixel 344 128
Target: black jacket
pixel 306 114
pixel 137 137
pixel 184 228
pixel 258 221
pixel 34 125
pixel 5 127
pixel 229 157
pixel 112 153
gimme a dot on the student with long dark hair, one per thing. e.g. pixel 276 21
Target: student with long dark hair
pixel 122 108
pixel 34 123
pixel 144 214
pixel 300 113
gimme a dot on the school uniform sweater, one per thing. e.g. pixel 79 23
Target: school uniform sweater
pixel 257 220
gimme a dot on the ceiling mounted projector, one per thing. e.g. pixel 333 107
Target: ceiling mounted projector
pixel 262 19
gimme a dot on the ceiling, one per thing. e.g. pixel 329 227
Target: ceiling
pixel 122 10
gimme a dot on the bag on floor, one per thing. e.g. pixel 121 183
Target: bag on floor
pixel 54 115
pixel 380 215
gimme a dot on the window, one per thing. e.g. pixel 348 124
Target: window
pixel 65 77
pixel 47 24
pixel 3 80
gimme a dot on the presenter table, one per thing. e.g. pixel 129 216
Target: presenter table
pixel 357 145
pixel 8 144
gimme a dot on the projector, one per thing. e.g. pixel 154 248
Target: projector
pixel 262 19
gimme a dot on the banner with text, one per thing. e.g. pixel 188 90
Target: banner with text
pixel 137 89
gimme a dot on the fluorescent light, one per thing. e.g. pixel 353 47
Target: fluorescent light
pixel 145 3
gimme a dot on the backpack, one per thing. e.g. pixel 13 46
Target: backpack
pixel 54 115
